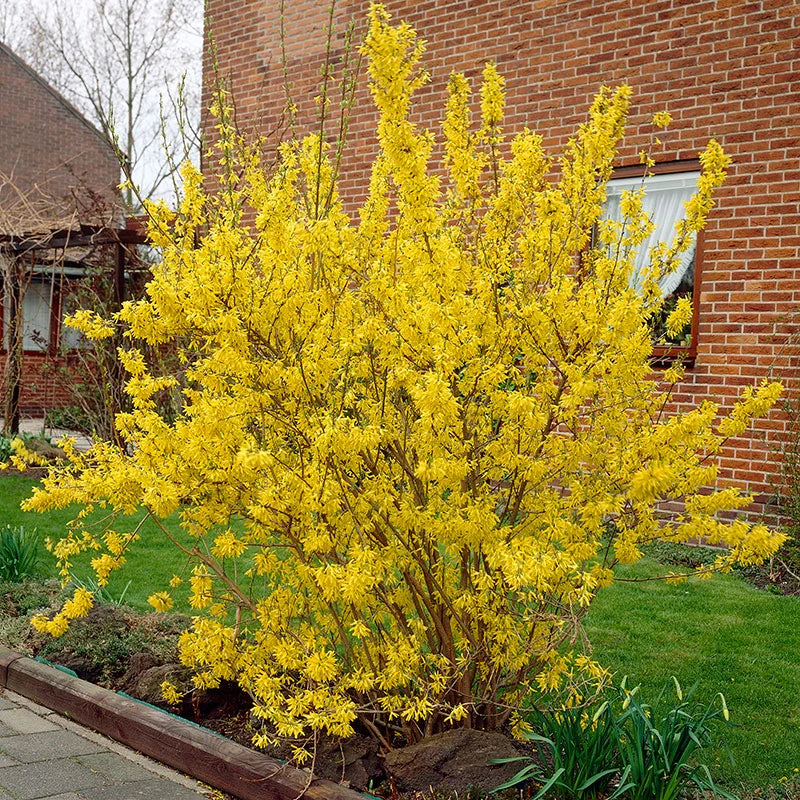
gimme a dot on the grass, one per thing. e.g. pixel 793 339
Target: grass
pixel 725 635
pixel 150 564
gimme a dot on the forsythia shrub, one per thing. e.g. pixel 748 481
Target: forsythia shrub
pixel 414 444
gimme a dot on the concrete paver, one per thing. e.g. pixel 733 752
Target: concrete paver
pixel 21 720
pixel 140 790
pixel 51 744
pixel 44 778
pixel 68 796
pixel 115 767
pixel 5 730
pixel 46 757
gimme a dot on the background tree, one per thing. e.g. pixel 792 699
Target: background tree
pixel 123 64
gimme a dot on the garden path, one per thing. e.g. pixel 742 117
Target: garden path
pixel 45 756
pixel 36 425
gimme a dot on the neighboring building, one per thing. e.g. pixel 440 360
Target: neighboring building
pixel 57 173
pixel 722 68
pixel 48 149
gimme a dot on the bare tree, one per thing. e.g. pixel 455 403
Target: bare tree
pixel 13 31
pixel 122 63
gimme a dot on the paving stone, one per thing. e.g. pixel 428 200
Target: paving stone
pixel 59 764
pixel 20 720
pixel 6 731
pixel 116 768
pixel 67 796
pixel 50 744
pixel 143 790
pixel 48 778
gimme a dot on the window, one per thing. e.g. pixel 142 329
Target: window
pixel 667 189
pixel 47 300
pixel 37 316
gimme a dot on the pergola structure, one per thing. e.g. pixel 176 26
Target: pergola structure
pixel 42 255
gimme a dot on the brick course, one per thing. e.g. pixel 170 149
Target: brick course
pixel 723 68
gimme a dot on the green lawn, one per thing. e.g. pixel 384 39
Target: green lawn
pixel 151 561
pixel 725 635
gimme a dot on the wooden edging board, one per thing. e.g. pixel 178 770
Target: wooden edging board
pixel 204 755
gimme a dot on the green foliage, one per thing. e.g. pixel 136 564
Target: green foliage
pixel 102 594
pixel 657 743
pixel 18 601
pixel 148 567
pixel 19 553
pixel 72 417
pixel 681 555
pixel 649 749
pixel 581 749
pixel 37 443
pixel 100 646
pixel 20 598
pixel 701 632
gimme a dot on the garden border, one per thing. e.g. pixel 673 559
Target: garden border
pixel 203 754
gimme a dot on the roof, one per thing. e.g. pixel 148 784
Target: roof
pixel 78 235
pixel 55 93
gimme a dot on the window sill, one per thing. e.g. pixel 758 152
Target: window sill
pixel 666 355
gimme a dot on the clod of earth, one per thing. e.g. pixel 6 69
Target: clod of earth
pixel 145 682
pixel 454 761
pixel 43 448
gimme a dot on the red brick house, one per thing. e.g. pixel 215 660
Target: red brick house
pixel 722 68
pixel 57 173
pixel 47 144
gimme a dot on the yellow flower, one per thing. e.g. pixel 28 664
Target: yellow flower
pixel 90 324
pixel 161 601
pixel 679 317
pixel 404 446
pixel 79 605
pixel 662 119
pixel 171 693
pixel 57 626
pixel 492 97
pixel 226 545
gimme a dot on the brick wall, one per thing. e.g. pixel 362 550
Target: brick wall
pixel 44 384
pixel 723 68
pixel 46 143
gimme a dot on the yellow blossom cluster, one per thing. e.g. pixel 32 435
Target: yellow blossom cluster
pixel 77 606
pixel 416 443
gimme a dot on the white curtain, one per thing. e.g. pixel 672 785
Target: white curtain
pixel 36 314
pixel 664 204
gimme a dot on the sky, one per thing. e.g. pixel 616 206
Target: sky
pixel 182 55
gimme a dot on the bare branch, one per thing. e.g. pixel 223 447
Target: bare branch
pixel 116 60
